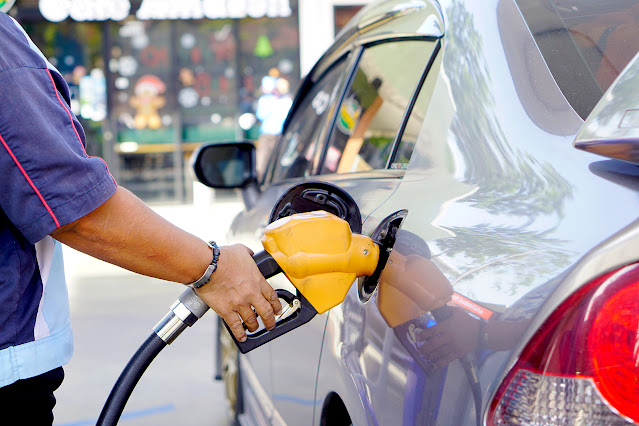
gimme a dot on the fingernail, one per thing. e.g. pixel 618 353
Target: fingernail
pixel 243 339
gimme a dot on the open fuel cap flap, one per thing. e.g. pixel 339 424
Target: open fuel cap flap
pixel 312 196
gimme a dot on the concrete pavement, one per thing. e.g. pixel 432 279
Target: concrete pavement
pixel 113 311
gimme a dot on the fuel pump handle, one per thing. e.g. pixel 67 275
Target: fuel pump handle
pixel 266 264
pixel 299 312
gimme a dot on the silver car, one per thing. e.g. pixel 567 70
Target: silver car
pixel 490 147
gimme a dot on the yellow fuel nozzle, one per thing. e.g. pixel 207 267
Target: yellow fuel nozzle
pixel 320 255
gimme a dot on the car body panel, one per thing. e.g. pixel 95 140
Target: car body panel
pixel 501 206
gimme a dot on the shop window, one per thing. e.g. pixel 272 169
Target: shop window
pixel 298 144
pixel 373 109
pixel 180 83
pixel 269 67
pixel 141 65
pixel 207 92
pixel 222 64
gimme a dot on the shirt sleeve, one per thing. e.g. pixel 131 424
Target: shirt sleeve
pixel 48 179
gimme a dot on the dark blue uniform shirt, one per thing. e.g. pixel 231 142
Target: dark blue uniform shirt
pixel 47 181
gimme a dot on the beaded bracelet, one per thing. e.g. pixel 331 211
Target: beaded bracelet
pixel 212 267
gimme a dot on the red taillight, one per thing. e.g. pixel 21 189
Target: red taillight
pixel 613 344
pixel 582 365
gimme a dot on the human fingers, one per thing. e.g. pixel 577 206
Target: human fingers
pixel 262 296
pixel 259 293
pixel 271 295
pixel 235 325
pixel 264 310
pixel 249 318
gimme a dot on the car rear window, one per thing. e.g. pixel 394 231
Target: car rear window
pixel 586 43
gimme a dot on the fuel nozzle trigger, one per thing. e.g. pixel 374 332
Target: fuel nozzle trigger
pixel 321 257
pixel 298 312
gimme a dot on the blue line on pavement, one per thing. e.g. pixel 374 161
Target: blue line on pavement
pixel 129 415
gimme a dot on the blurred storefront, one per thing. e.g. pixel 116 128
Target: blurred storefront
pixel 153 79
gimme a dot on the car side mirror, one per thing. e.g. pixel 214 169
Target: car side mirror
pixel 225 165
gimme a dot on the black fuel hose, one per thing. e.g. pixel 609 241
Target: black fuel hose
pixel 128 379
pixel 184 313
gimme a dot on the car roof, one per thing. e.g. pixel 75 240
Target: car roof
pixel 384 10
pixel 384 20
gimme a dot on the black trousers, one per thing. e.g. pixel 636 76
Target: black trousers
pixel 30 401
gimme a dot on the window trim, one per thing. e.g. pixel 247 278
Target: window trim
pixel 367 174
pixel 411 104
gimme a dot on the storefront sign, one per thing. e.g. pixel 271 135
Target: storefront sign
pixel 117 10
pixel 213 9
pixel 5 5
pixel 84 10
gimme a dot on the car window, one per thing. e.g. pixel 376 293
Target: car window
pixel 408 138
pixel 373 108
pixel 298 143
pixel 586 43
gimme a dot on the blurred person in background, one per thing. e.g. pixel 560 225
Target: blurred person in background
pixel 52 193
pixel 272 109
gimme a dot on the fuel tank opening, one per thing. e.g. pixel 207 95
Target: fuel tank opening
pixel 384 235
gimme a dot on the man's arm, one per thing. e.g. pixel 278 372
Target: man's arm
pixel 126 232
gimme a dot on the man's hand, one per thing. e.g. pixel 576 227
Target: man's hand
pixel 236 287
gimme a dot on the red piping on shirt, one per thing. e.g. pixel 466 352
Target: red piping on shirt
pixel 57 94
pixel 55 219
